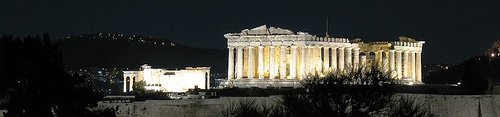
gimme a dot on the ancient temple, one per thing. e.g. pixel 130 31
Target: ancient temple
pixel 275 57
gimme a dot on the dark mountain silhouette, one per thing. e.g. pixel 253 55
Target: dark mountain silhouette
pixel 130 51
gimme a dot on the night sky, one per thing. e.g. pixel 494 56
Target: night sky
pixel 453 30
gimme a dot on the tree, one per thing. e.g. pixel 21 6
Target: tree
pixel 472 77
pixel 361 92
pixel 139 86
pixel 407 107
pixel 32 73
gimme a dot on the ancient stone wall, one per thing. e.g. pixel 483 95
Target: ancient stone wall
pixel 440 105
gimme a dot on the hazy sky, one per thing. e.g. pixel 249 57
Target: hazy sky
pixel 453 30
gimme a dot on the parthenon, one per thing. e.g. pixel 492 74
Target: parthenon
pixel 274 57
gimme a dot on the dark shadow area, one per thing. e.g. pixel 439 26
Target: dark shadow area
pixel 477 75
pixel 34 81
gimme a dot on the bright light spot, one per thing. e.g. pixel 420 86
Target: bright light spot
pixel 492 55
pixel 459 83
pixel 445 67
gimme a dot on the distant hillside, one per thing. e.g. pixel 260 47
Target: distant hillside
pixel 131 51
pixel 486 66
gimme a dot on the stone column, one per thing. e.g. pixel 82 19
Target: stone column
pixel 125 83
pixel 131 83
pixel 406 64
pixel 261 62
pixel 399 65
pixel 356 59
pixel 341 59
pixel 348 58
pixel 334 59
pixel 326 59
pixel 412 66
pixel 293 62
pixel 272 73
pixel 385 61
pixel 419 67
pixel 378 59
pixel 230 64
pixel 363 61
pixel 303 62
pixel 282 69
pixel 319 64
pixel 239 63
pixel 391 62
pixel 309 61
pixel 312 58
pixel 251 63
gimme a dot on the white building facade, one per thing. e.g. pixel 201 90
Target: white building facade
pixel 274 57
pixel 168 80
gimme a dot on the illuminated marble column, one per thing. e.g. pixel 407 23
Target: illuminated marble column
pixel 261 62
pixel 308 60
pixel 326 59
pixel 131 84
pixel 378 59
pixel 412 66
pixel 125 84
pixel 282 69
pixel 419 66
pixel 251 64
pixel 399 65
pixel 356 58
pixel 406 64
pixel 341 59
pixel 293 62
pixel 334 59
pixel 363 61
pixel 230 64
pixel 385 61
pixel 239 63
pixel 391 62
pixel 311 61
pixel 303 62
pixel 272 73
pixel 317 58
pixel 348 58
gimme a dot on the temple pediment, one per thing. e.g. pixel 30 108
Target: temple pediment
pixel 264 30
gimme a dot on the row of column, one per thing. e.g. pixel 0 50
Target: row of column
pixel 406 64
pixel 312 59
pixel 402 64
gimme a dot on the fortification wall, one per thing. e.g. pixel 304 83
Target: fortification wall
pixel 440 105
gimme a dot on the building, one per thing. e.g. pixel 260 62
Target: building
pixel 274 57
pixel 168 80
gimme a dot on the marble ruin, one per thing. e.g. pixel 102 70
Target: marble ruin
pixel 275 57
pixel 168 80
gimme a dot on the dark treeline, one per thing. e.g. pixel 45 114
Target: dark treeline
pixel 34 81
pixel 476 74
pixel 359 93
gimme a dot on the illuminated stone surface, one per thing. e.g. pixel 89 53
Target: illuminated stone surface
pixel 291 56
pixel 168 80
